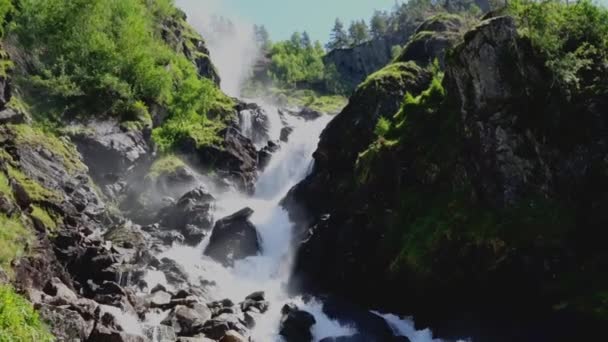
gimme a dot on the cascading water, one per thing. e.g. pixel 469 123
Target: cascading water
pixel 269 271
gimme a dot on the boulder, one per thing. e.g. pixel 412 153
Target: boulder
pixel 265 154
pixel 65 324
pixel 190 216
pixel 233 238
pixel 233 336
pixel 296 324
pixel 254 123
pixel 218 327
pixel 285 133
pixel 176 275
pixel 188 321
pixel 236 158
pixel 102 141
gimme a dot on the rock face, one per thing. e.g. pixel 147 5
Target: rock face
pixel 502 152
pixel 178 34
pixel 103 141
pixel 233 238
pixel 254 122
pixel 236 159
pixel 355 64
pixel 190 216
pixel 432 39
pixel 296 324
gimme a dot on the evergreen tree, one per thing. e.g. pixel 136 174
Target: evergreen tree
pixel 379 24
pixel 339 37
pixel 306 42
pixel 359 32
pixel 262 37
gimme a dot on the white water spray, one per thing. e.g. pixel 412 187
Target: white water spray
pixel 231 42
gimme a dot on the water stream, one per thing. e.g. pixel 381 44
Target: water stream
pixel 269 271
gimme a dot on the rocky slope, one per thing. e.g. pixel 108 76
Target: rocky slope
pixel 474 205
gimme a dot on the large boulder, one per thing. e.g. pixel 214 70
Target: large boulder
pixel 235 159
pixel 188 321
pixel 296 324
pixel 433 38
pixel 191 215
pixel 253 122
pixel 102 141
pixel 233 238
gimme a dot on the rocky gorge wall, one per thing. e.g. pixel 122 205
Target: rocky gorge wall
pixel 468 184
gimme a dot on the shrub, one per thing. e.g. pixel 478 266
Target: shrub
pixel 18 320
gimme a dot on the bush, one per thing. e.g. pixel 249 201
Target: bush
pixel 18 320
pixel 574 38
pixel 106 57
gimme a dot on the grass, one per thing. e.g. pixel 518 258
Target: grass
pixel 5 187
pixel 45 217
pixel 164 165
pixel 36 192
pixel 14 237
pixel 38 137
pixel 19 322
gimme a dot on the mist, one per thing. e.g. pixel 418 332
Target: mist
pixel 231 44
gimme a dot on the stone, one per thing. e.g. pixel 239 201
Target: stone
pixel 296 324
pixel 233 238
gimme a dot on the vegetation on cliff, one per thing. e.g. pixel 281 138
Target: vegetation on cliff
pixel 18 320
pixel 109 59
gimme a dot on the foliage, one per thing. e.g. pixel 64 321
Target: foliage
pixel 296 61
pixel 44 217
pixel 339 38
pixel 14 237
pixel 359 32
pixel 18 320
pixel 6 7
pixel 164 165
pixel 37 137
pixel 107 57
pixel 573 37
pixel 379 24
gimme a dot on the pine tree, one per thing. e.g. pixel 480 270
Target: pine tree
pixel 379 24
pixel 339 37
pixel 359 32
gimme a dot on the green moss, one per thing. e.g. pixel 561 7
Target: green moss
pixel 14 238
pixel 49 221
pixel 38 137
pixel 5 187
pixel 404 73
pixel 35 191
pixel 19 322
pixel 165 165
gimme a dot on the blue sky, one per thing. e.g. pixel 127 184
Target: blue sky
pixel 283 17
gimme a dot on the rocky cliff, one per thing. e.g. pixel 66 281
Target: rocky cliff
pixel 434 204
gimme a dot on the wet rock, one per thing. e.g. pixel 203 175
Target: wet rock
pixel 253 122
pixel 296 324
pixel 103 141
pixel 233 336
pixel 217 327
pixel 187 321
pixel 159 299
pixel 126 235
pixel 236 159
pixel 65 324
pixel 12 116
pixel 233 238
pixel 190 216
pixel 174 272
pixel 285 133
pixel 198 338
pixel 255 302
pixel 265 154
pixel 59 294
pixel 160 333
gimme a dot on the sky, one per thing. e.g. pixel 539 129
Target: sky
pixel 283 17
